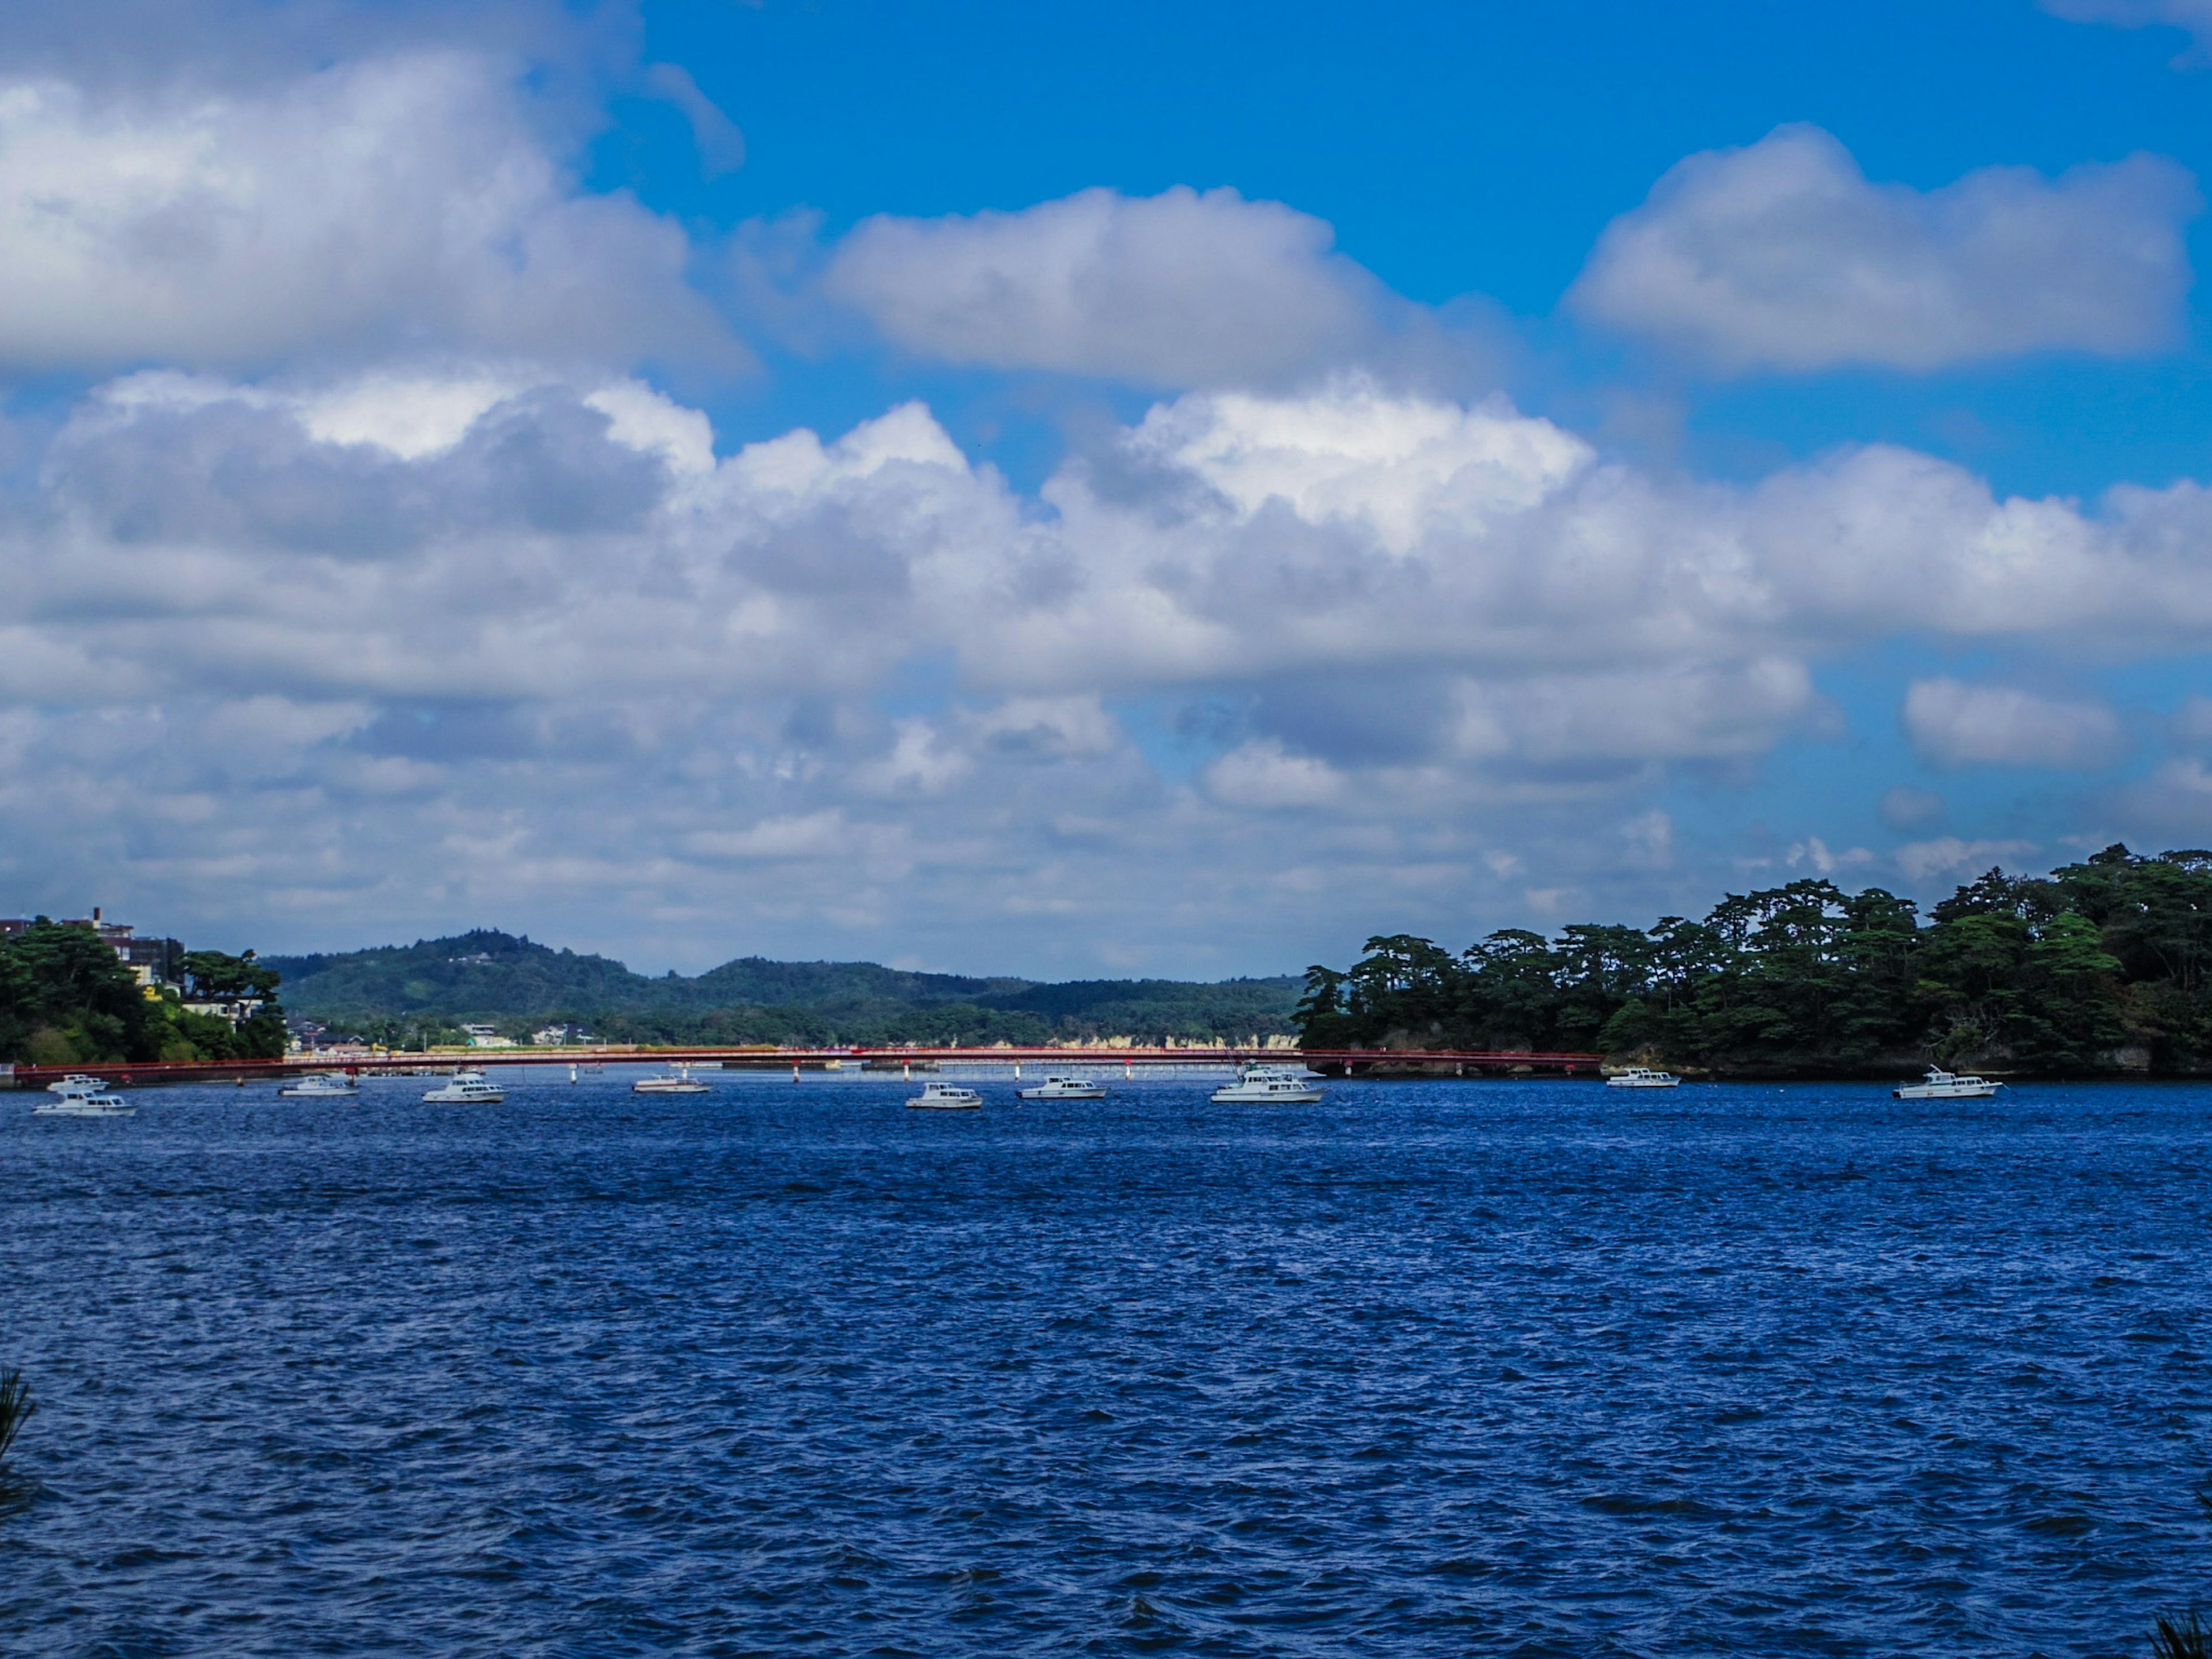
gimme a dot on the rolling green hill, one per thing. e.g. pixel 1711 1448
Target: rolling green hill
pixel 430 987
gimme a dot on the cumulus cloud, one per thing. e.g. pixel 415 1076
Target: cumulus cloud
pixel 1187 288
pixel 1954 724
pixel 399 204
pixel 1784 256
pixel 418 640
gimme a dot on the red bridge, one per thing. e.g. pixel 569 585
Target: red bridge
pixel 1337 1062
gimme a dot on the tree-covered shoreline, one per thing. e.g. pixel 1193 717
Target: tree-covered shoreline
pixel 67 999
pixel 404 996
pixel 2102 967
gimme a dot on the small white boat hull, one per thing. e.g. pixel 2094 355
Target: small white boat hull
pixel 79 1095
pixel 676 1080
pixel 1270 1085
pixel 936 1098
pixel 1274 1094
pixel 1947 1086
pixel 466 1091
pixel 1054 1088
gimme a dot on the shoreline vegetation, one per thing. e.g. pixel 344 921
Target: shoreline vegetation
pixel 410 997
pixel 15 1408
pixel 2101 970
pixel 67 999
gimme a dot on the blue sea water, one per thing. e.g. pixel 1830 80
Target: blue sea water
pixel 1440 1368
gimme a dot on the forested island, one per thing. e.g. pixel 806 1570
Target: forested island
pixel 2099 969
pixel 66 999
pixel 404 996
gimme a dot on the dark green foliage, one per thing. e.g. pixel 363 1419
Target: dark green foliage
pixel 2186 1638
pixel 217 976
pixel 66 999
pixel 63 993
pixel 16 1406
pixel 2100 964
pixel 411 994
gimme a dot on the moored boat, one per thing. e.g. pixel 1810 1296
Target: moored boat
pixel 1270 1085
pixel 322 1086
pixel 1940 1084
pixel 677 1080
pixel 944 1097
pixel 1642 1077
pixel 1065 1088
pixel 467 1088
pixel 83 1097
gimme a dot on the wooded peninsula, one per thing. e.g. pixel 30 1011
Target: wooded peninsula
pixel 2097 969
pixel 67 999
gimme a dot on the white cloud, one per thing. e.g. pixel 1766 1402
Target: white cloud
pixel 1046 728
pixel 1904 807
pixel 1947 855
pixel 2191 724
pixel 806 836
pixel 2176 797
pixel 722 145
pixel 1393 466
pixel 2195 15
pixel 1953 724
pixel 428 641
pixel 1181 289
pixel 402 204
pixel 1702 710
pixel 1782 255
pixel 922 762
pixel 1816 854
pixel 1651 837
pixel 1261 775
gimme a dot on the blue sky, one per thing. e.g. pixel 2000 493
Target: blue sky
pixel 1166 489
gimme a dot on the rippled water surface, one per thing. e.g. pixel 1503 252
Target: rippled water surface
pixel 1432 1368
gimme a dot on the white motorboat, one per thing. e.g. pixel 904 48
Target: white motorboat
pixel 84 1096
pixel 1642 1077
pixel 322 1086
pixel 1947 1086
pixel 677 1080
pixel 467 1089
pixel 1270 1085
pixel 945 1097
pixel 1065 1088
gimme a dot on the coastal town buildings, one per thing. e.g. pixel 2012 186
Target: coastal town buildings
pixel 153 962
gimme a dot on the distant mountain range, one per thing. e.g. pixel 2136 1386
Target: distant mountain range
pixel 432 986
